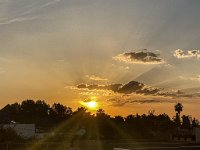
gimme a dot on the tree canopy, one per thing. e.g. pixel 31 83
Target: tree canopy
pixel 99 125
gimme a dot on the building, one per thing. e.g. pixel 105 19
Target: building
pixel 26 131
pixel 186 135
pixel 197 134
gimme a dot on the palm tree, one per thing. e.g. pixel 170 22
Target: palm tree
pixel 178 108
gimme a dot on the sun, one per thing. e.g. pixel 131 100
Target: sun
pixel 92 105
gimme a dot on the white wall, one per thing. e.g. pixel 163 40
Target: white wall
pixel 24 130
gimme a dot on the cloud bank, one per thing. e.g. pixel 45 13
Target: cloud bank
pixel 135 87
pixel 131 87
pixel 133 92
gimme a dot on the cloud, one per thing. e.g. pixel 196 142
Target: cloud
pixel 50 3
pixel 139 88
pixel 24 15
pixel 133 92
pixel 131 87
pixel 96 78
pixel 3 64
pixel 2 70
pixel 19 19
pixel 136 99
pixel 180 54
pixel 190 77
pixel 143 57
pixel 112 87
pixel 82 86
pixel 93 90
pixel 135 87
pixel 125 68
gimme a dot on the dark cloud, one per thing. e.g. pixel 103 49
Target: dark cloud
pixel 112 87
pixel 131 87
pixel 139 88
pixel 143 57
pixel 80 86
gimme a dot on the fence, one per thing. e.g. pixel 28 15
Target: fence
pixel 97 145
pixel 85 145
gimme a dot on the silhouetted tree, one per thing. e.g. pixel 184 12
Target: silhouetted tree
pixel 28 111
pixel 10 112
pixel 195 123
pixel 81 110
pixel 8 135
pixel 104 123
pixel 186 122
pixel 119 120
pixel 178 108
pixel 100 112
pixel 60 112
pixel 177 120
pixel 41 108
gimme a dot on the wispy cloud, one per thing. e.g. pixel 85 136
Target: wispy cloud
pixel 50 3
pixel 25 16
pixel 2 70
pixel 143 57
pixel 180 54
pixel 96 78
pixel 3 63
pixel 190 77
pixel 121 100
pixel 19 19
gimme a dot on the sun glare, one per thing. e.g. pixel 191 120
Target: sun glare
pixel 92 105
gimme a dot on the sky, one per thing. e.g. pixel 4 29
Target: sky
pixel 131 56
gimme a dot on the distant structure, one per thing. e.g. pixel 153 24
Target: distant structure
pixel 26 131
pixel 186 135
pixel 197 133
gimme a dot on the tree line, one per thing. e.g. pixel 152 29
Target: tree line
pixel 99 125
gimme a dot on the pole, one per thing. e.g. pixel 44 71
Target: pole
pixel 47 146
pixel 7 146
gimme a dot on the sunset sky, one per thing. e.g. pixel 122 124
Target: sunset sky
pixel 69 51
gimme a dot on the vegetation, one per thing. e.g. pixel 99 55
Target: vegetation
pixel 61 119
pixel 9 135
